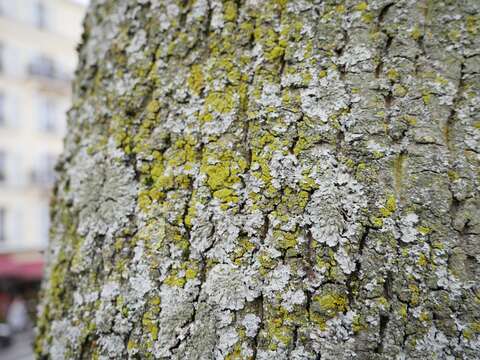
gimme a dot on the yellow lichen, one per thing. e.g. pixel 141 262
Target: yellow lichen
pixel 357 324
pixel 230 11
pixel 426 97
pixel 362 6
pixel 174 281
pixel 221 102
pixel 275 53
pixel 422 260
pixel 403 311
pixel 424 230
pixel 390 206
pixel 332 303
pixel 424 316
pixel 196 80
pixel 392 74
pixel 416 33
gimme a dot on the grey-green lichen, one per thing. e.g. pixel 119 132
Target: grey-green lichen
pixel 269 180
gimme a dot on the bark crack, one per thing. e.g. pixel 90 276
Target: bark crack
pixel 354 277
pixel 384 315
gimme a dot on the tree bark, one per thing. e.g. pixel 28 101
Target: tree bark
pixel 269 180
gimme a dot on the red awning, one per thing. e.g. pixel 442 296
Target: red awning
pixel 11 268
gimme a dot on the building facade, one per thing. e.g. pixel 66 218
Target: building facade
pixel 37 60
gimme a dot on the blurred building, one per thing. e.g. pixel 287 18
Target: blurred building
pixel 37 60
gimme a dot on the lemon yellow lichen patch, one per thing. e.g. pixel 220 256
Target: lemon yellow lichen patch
pixel 153 106
pixel 218 175
pixel 390 206
pixel 376 222
pixel 191 273
pixel 174 280
pixel 357 324
pixel 393 74
pixel 149 319
pixel 331 303
pixel 222 169
pixel 205 117
pixel 319 321
pixel 424 230
pixel 411 120
pixel 221 102
pixel 151 326
pixel 186 271
pixel 144 201
pixel 275 53
pixel 422 260
pixel 278 330
pixel 399 90
pixel 225 195
pixel 362 6
pixel 196 79
pixel 183 152
pixel 190 213
pixel 139 140
pixel 403 311
pixel 424 316
pixel 473 24
pixel 230 11
pixel 244 246
pixel 414 294
pixel 426 96
pixel 285 240
pixel 416 33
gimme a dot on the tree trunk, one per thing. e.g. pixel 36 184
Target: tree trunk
pixel 269 180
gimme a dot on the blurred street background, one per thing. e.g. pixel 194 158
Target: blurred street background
pixel 37 60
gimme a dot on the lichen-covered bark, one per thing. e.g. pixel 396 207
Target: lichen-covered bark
pixel 269 180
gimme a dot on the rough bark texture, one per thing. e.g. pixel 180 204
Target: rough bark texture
pixel 269 180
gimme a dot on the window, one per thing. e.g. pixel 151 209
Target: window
pixel 39 15
pixel 44 172
pixel 2 110
pixel 47 115
pixel 49 161
pixel 42 66
pixel 2 225
pixel 3 166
